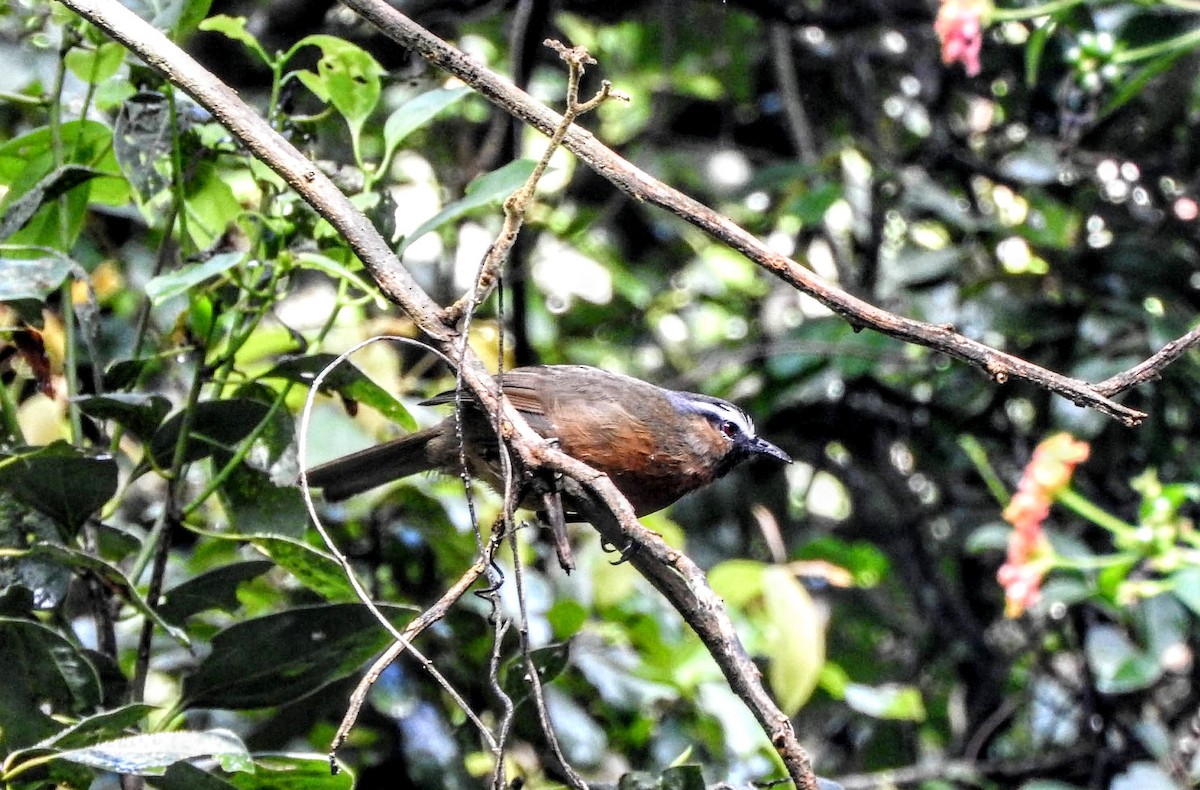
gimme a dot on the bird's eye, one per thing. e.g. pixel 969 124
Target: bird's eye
pixel 728 429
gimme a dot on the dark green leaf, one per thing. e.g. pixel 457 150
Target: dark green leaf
pixel 61 481
pixel 216 589
pixel 312 567
pixel 111 574
pixel 284 657
pixel 185 776
pixel 57 183
pixel 346 380
pixel 258 493
pixel 549 661
pixel 43 673
pixel 45 581
pixel 138 413
pixel 126 373
pixel 102 726
pixel 216 425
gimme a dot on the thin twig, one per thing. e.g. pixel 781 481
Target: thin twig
pixel 516 205
pixel 1151 368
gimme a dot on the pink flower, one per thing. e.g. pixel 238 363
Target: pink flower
pixel 959 26
pixel 1048 473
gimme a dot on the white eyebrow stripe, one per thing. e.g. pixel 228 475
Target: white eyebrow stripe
pixel 721 410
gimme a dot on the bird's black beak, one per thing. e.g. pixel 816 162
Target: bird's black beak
pixel 763 447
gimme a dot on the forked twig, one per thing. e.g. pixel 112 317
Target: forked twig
pixel 516 205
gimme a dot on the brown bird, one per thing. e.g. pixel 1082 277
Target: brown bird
pixel 654 444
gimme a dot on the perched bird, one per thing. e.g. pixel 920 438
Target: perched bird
pixel 655 444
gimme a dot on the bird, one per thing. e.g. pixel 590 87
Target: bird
pixel 655 444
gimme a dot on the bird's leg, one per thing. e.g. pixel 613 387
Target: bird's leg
pixel 628 550
pixel 548 489
pixel 553 509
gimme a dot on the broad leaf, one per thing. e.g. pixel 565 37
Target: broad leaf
pixel 347 381
pixel 284 657
pixel 152 753
pixel 489 188
pixel 61 481
pixel 138 413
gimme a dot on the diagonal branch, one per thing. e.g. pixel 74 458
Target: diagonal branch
pixel 643 187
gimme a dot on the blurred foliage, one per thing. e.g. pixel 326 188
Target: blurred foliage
pixel 165 608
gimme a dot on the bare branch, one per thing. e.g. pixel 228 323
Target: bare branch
pixel 1150 369
pixel 642 187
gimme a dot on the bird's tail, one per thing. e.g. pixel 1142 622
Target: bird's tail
pixel 352 474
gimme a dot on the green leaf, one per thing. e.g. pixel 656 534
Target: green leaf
pixel 866 563
pixel 549 662
pixel 312 567
pixel 338 271
pixel 270 772
pixel 1035 48
pixel 347 77
pixel 191 15
pixel 42 582
pixel 177 283
pixel 234 27
pixel 737 581
pixel 25 161
pixel 489 188
pixel 95 65
pixel 150 754
pixel 126 373
pixel 257 506
pixel 346 380
pixel 65 483
pixel 417 112
pixel 796 639
pixel 186 776
pixel 292 772
pixel 138 413
pixel 100 727
pixel 87 731
pixel 259 494
pixel 210 203
pixel 216 424
pixel 215 589
pixel 284 657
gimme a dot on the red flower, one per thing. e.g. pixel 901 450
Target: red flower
pixel 1048 473
pixel 959 26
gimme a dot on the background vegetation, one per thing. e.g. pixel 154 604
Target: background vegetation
pixel 166 299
